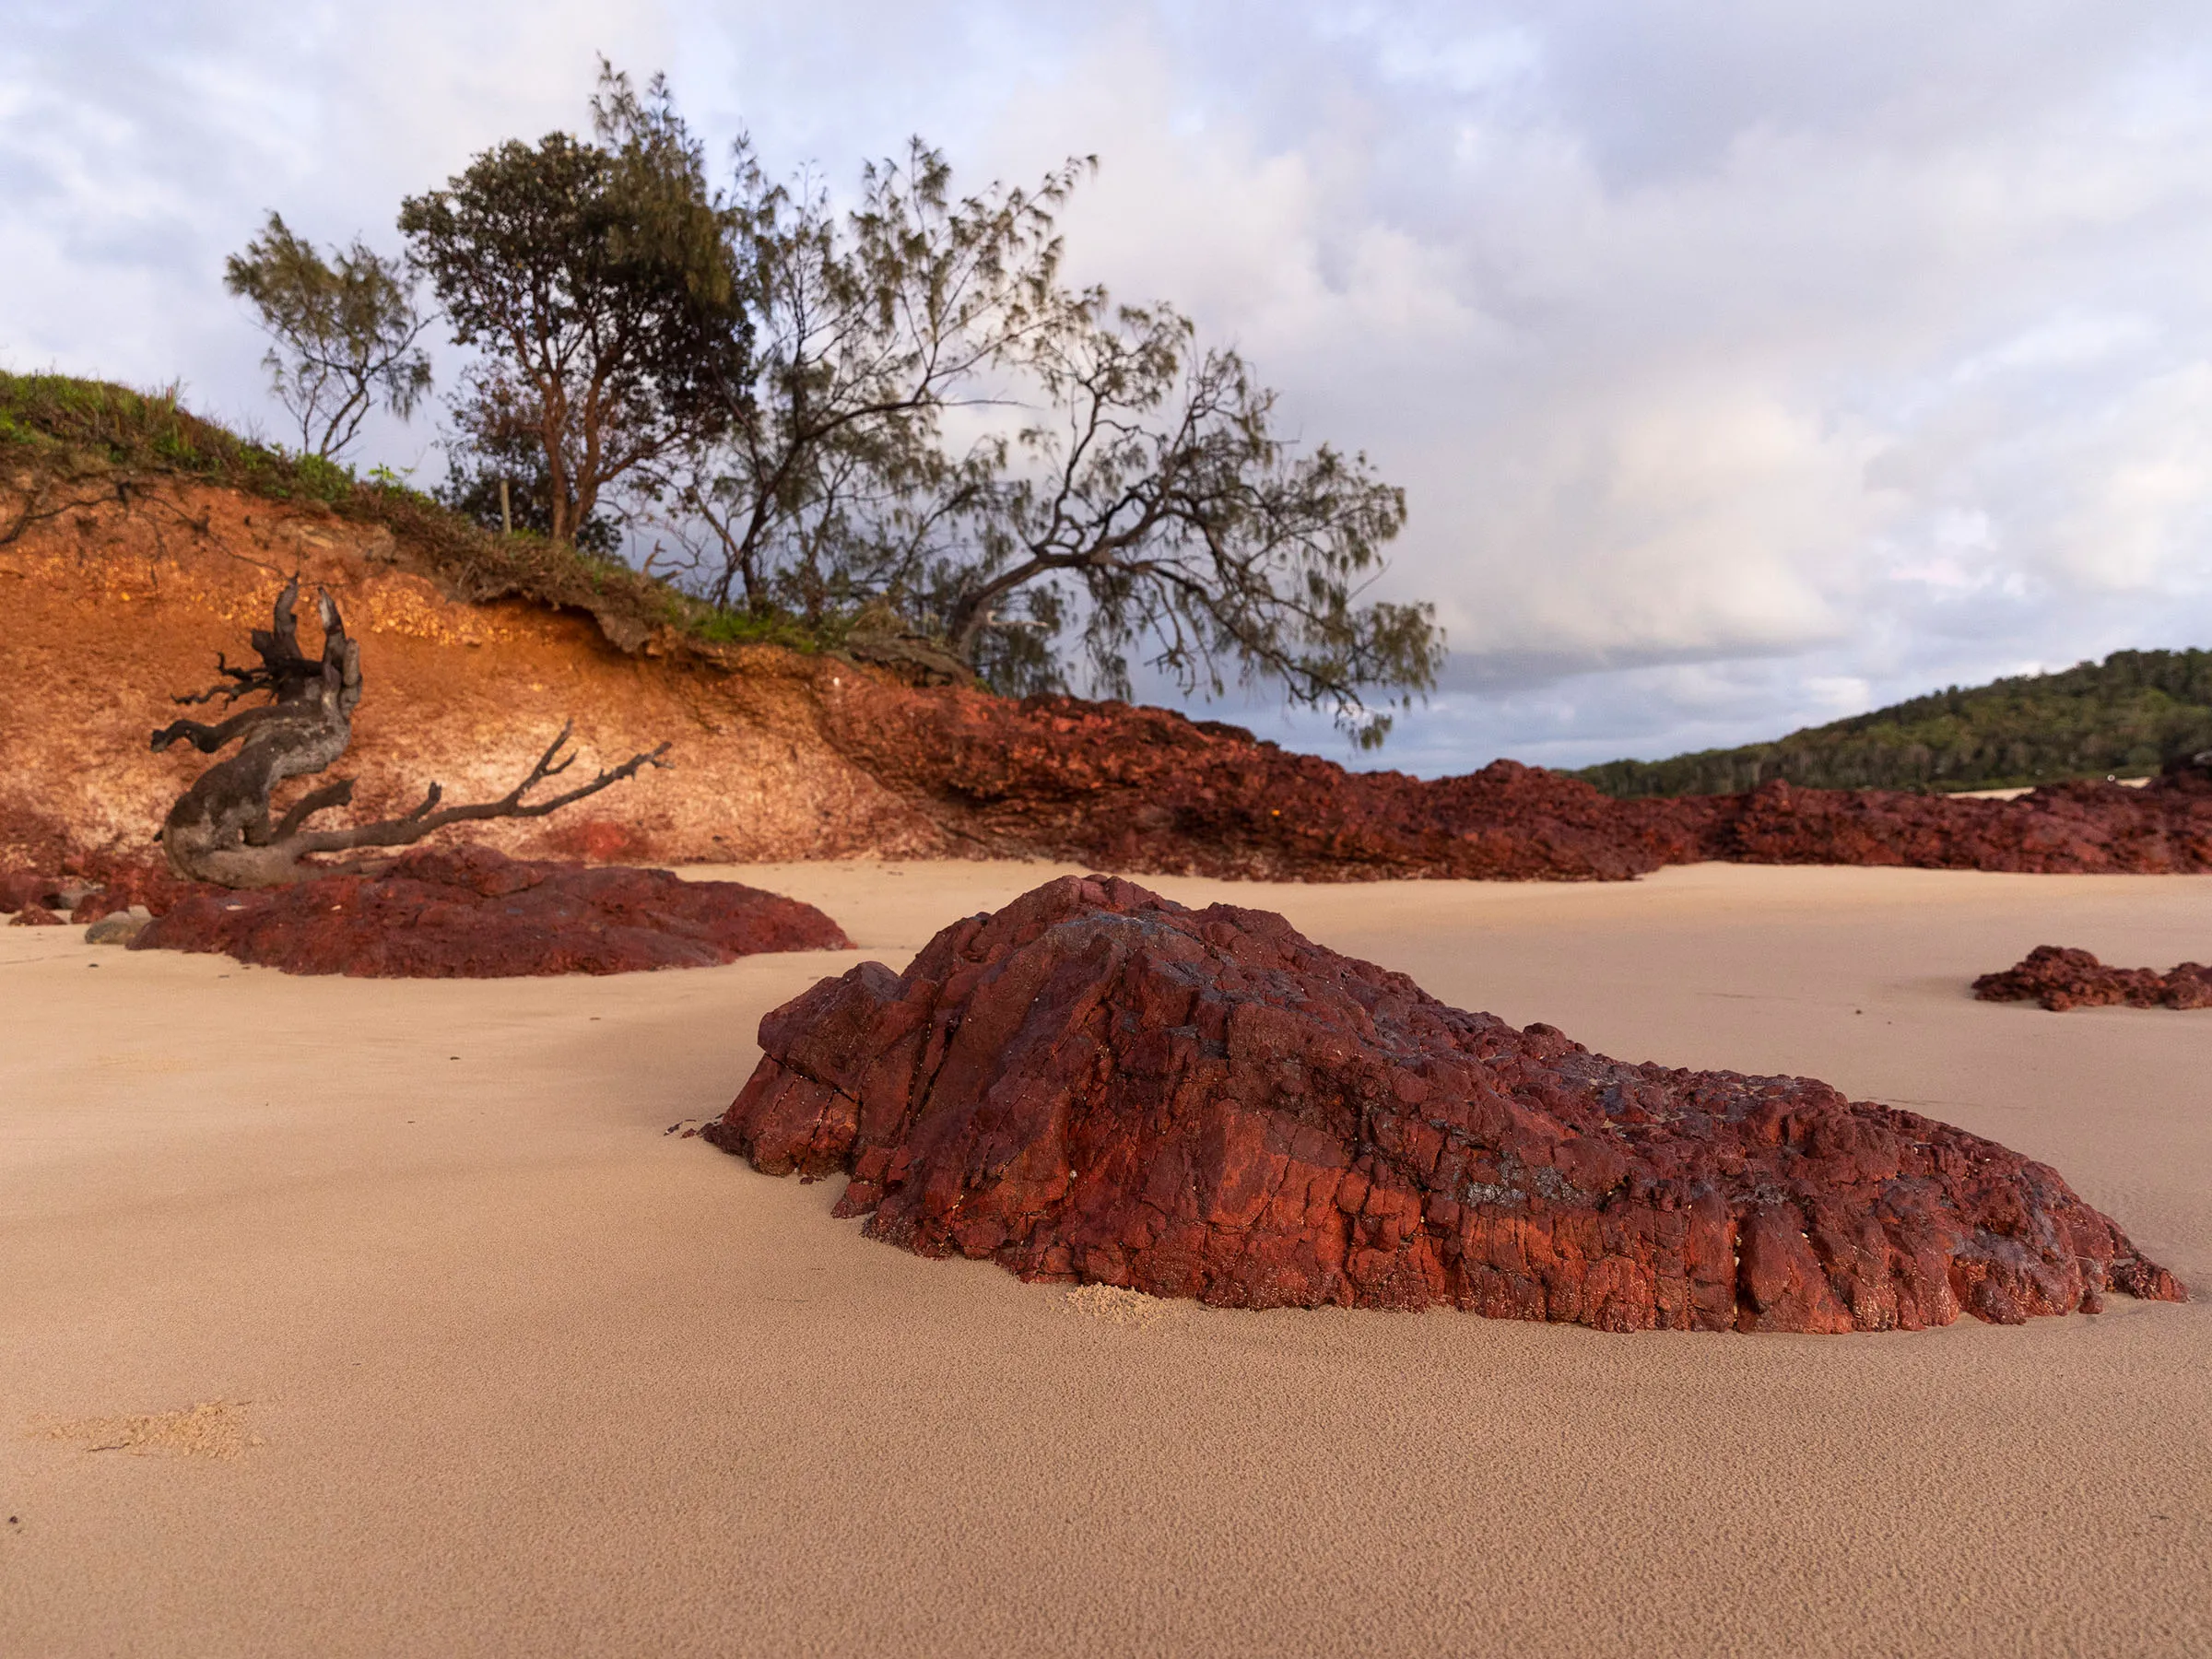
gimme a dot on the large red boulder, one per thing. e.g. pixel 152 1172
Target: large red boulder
pixel 469 912
pixel 2060 978
pixel 1099 1084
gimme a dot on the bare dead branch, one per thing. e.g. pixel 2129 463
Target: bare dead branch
pixel 427 818
pixel 339 793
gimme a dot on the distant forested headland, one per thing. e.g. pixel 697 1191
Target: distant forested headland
pixel 2125 716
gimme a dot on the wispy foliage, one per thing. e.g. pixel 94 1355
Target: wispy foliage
pixel 1155 510
pixel 1059 488
pixel 833 479
pixel 343 332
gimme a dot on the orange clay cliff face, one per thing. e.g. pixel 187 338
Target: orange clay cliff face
pixel 112 609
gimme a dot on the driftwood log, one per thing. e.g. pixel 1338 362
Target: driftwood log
pixel 221 830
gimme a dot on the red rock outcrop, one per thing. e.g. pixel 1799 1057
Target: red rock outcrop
pixel 1099 1084
pixel 124 885
pixel 2060 829
pixel 2060 979
pixel 470 912
pixel 21 887
pixel 117 606
pixel 91 886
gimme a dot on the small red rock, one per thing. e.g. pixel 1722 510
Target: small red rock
pixel 2060 978
pixel 1099 1084
pixel 470 912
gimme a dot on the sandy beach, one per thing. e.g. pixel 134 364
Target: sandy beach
pixel 468 1353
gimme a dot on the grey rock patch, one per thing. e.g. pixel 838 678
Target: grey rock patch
pixel 120 928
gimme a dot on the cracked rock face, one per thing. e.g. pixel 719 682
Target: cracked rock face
pixel 1098 1084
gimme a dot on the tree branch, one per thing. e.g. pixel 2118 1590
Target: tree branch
pixel 219 830
pixel 427 819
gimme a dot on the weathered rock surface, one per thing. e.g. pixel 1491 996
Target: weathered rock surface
pixel 20 889
pixel 1099 1084
pixel 154 888
pixel 2060 829
pixel 470 912
pixel 2060 978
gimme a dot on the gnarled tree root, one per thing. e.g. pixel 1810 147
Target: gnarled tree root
pixel 219 830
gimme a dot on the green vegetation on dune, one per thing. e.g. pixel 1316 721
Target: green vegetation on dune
pixel 64 440
pixel 56 421
pixel 2125 716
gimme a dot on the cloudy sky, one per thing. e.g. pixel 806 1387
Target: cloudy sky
pixel 1747 365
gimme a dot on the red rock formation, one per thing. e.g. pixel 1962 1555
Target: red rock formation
pixel 124 885
pixel 2061 829
pixel 21 887
pixel 1099 1084
pixel 469 912
pixel 2062 978
pixel 1144 789
pixel 91 888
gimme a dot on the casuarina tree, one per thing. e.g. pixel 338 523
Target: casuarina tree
pixel 833 480
pixel 1057 487
pixel 343 332
pixel 594 280
pixel 902 408
pixel 1151 507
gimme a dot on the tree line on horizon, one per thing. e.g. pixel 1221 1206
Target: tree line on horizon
pixel 815 413
pixel 2126 716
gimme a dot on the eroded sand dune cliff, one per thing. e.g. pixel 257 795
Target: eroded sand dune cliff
pixel 114 608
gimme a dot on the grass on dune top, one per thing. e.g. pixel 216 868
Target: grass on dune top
pixel 57 426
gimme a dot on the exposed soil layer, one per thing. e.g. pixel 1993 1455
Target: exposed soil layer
pixel 2060 978
pixel 1098 1084
pixel 117 606
pixel 471 912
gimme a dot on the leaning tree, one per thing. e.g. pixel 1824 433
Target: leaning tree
pixel 221 830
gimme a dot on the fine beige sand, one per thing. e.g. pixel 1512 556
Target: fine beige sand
pixel 362 1317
